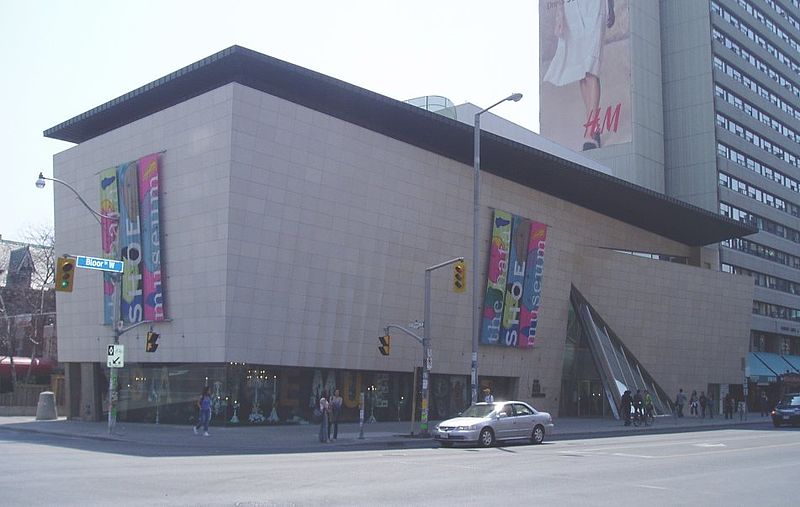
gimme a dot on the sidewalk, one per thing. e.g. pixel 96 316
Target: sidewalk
pixel 304 438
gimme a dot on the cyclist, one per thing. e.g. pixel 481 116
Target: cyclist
pixel 638 404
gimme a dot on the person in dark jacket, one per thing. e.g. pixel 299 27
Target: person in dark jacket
pixel 625 407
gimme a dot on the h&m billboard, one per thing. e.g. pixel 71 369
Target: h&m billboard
pixel 585 72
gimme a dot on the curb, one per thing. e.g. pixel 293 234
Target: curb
pixel 395 441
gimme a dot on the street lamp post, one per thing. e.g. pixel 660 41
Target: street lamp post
pixel 118 325
pixel 476 208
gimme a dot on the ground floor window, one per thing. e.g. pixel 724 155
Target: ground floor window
pixel 247 394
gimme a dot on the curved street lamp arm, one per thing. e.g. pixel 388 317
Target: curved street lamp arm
pixel 97 214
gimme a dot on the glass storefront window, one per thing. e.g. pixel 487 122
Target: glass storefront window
pixel 246 394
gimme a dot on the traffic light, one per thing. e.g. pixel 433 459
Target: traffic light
pixel 151 344
pixel 385 344
pixel 459 276
pixel 65 274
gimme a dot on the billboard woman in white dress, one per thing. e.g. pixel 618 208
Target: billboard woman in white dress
pixel 580 26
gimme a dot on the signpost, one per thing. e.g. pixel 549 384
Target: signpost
pixel 115 357
pixel 99 263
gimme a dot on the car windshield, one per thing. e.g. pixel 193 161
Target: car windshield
pixel 791 400
pixel 481 410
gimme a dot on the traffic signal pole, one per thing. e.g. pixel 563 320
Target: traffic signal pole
pixel 119 326
pixel 425 339
pixel 119 330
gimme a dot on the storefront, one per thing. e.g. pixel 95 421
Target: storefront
pixel 244 394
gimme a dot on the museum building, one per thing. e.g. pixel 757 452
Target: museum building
pixel 273 221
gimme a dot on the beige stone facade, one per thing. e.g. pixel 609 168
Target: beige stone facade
pixel 291 238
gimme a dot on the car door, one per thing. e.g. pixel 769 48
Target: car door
pixel 524 420
pixel 504 425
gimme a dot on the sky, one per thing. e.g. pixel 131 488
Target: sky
pixel 60 58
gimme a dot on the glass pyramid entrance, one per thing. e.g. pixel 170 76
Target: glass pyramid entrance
pixel 598 367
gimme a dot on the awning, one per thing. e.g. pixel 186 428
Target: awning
pixel 768 364
pixel 758 371
pixel 794 361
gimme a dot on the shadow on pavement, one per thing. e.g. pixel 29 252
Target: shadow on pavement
pixel 149 440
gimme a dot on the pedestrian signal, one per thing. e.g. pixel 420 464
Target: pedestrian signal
pixel 151 345
pixel 385 344
pixel 460 276
pixel 65 274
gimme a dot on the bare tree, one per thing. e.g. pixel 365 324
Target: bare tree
pixel 32 300
pixel 7 339
pixel 42 238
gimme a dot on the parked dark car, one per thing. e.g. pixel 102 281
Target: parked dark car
pixel 787 411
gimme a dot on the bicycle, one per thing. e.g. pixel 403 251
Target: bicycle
pixel 639 417
pixel 649 416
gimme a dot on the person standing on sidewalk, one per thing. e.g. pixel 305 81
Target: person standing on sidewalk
pixel 487 396
pixel 204 404
pixel 336 413
pixel 693 404
pixel 703 403
pixel 764 404
pixel 710 405
pixel 680 401
pixel 324 407
pixel 727 406
pixel 625 407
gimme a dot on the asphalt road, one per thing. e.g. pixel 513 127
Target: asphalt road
pixel 753 466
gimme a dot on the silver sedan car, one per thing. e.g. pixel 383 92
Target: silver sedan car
pixel 487 423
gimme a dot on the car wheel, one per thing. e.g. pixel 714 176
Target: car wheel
pixel 537 437
pixel 486 438
pixel 777 424
pixel 446 444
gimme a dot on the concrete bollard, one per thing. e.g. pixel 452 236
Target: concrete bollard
pixel 46 409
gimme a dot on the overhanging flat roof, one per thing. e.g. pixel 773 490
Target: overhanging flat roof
pixel 517 162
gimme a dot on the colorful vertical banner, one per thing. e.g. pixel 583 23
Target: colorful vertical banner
pixel 109 234
pixel 518 256
pixel 130 229
pixel 514 285
pixel 150 268
pixel 532 285
pixel 492 316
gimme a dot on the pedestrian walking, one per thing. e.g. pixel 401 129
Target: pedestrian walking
pixel 625 407
pixel 336 412
pixel 693 404
pixel 204 405
pixel 487 396
pixel 680 401
pixel 324 407
pixel 703 402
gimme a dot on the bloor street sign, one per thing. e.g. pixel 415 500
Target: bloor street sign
pixel 99 264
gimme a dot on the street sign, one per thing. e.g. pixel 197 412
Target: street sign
pixel 115 357
pixel 99 264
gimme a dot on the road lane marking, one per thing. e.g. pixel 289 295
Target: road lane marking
pixel 756 448
pixel 650 487
pixel 710 445
pixel 717 450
